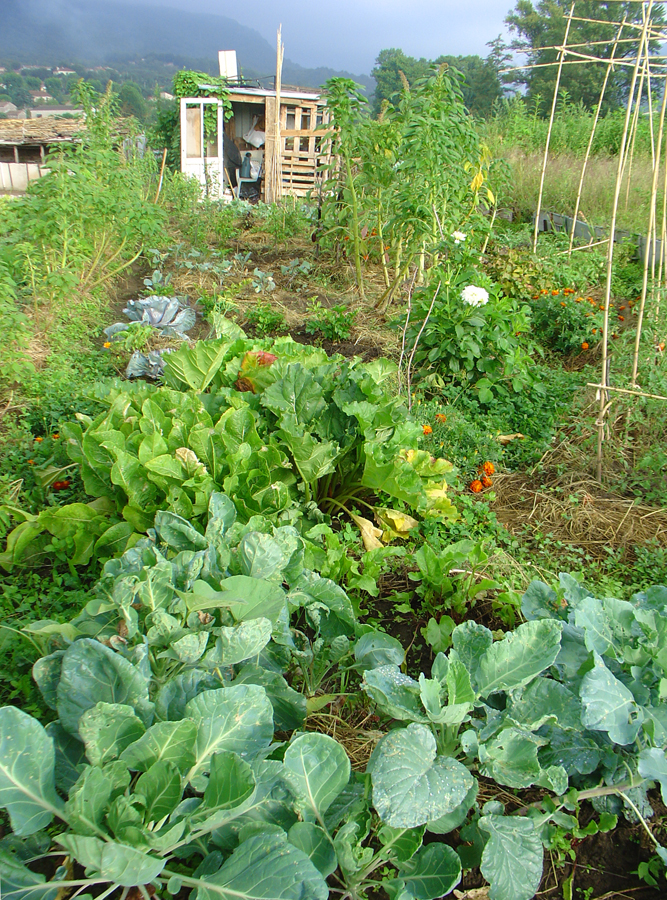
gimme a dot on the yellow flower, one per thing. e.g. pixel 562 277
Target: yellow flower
pixel 106 345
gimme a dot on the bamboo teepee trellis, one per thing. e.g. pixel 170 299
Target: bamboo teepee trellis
pixel 647 70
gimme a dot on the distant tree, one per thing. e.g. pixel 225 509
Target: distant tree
pixel 132 102
pixel 542 25
pixel 481 85
pixel 56 87
pixel 32 83
pixel 17 90
pixel 388 66
pixel 37 72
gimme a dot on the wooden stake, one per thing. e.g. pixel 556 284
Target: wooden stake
pixel 610 250
pixel 593 130
pixel 650 236
pixel 159 187
pixel 551 125
pixel 277 158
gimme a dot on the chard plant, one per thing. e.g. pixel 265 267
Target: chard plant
pixel 287 432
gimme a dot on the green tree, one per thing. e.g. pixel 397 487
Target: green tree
pixel 542 25
pixel 132 102
pixel 17 89
pixel 480 85
pixel 56 87
pixel 387 74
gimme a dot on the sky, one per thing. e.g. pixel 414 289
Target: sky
pixel 349 34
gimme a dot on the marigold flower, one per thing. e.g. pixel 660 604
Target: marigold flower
pixel 621 307
pixel 440 417
pixel 555 293
pixel 601 306
pixel 621 318
pixel 563 303
pixel 661 345
pixel 578 299
pixel 106 345
pixel 476 486
pixel 427 429
pixel 31 462
pixel 486 481
pixel 488 468
pixel 55 436
pixel 595 331
pixel 584 346
pixel 38 440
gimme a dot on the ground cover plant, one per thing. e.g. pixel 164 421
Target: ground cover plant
pixel 292 607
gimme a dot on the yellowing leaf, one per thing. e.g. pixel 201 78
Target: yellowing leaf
pixel 477 182
pixel 369 533
pixel 396 524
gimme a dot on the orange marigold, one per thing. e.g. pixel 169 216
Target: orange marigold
pixel 440 417
pixel 621 318
pixel 555 293
pixel 488 468
pixel 476 486
pixel 562 303
pixel 661 345
pixel 486 481
pixel 584 346
pixel 578 299
pixel 38 440
pixel 106 345
pixel 427 429
pixel 601 306
pixel 621 307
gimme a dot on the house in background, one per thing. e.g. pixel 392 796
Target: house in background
pixel 43 112
pixel 288 165
pixel 24 144
pixel 7 108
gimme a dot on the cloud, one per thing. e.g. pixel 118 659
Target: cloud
pixel 348 34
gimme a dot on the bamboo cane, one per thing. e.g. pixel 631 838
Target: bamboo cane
pixel 650 238
pixel 551 125
pixel 593 130
pixel 276 159
pixel 610 252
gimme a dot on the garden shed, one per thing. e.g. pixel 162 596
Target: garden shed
pixel 24 145
pixel 284 160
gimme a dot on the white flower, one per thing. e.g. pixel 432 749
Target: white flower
pixel 474 296
pixel 459 236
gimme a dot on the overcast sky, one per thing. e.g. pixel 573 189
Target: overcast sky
pixel 348 34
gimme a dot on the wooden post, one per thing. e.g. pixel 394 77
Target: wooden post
pixel 274 192
pixel 561 59
pixel 604 380
pixel 592 137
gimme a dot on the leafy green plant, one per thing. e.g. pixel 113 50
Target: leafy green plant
pixel 290 434
pixel 447 577
pixel 469 335
pixel 566 322
pixel 262 282
pixel 137 336
pixel 264 319
pixel 334 323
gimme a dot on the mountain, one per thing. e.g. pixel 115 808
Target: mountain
pixel 48 32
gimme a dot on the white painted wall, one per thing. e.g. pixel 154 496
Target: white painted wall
pixel 14 177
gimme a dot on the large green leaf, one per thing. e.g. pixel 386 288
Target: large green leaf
pixel 457 816
pixel 161 788
pixel 107 729
pixel 400 844
pixel 18 882
pixel 519 657
pixel 238 718
pixel 317 768
pixel 432 872
pixel 169 741
pixel 545 700
pixel 92 673
pixel 244 641
pixel 296 393
pixel 27 782
pixel 608 705
pixel 230 783
pixel 88 801
pixel 289 706
pixel 261 556
pixel 510 758
pixel 512 858
pixel 411 785
pixel 113 862
pixel 265 867
pixel 397 695
pixel 471 641
pixel 315 843
pixel 653 765
pixel 375 649
pixel 174 695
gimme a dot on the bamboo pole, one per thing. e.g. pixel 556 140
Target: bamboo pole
pixel 610 251
pixel 650 238
pixel 607 387
pixel 159 187
pixel 593 130
pixel 277 157
pixel 551 125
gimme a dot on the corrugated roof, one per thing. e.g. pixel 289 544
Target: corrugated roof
pixel 38 131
